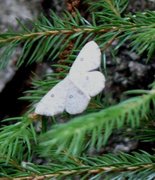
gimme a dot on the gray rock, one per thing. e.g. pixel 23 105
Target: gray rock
pixel 10 10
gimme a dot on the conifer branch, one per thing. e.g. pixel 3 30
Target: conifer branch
pixel 99 126
pixel 18 141
pixel 91 171
pixel 16 138
pixel 47 36
pixel 24 37
pixel 109 165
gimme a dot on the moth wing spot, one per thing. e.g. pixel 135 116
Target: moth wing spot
pixel 87 78
pixel 71 96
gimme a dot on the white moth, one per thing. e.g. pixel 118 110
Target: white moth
pixel 74 92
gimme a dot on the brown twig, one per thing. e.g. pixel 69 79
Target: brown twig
pixel 49 33
pixel 85 169
pixel 72 5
